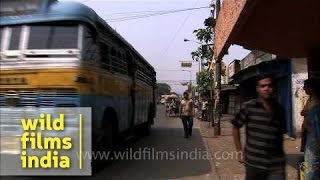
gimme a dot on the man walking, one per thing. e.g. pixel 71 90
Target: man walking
pixel 204 109
pixel 265 123
pixel 186 114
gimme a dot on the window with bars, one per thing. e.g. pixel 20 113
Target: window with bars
pixel 118 62
pixel 90 49
pixel 105 56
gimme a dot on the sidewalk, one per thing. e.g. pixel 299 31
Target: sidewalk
pixel 228 167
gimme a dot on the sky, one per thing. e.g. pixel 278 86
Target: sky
pixel 160 39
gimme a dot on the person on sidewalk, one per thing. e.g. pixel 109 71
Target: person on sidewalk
pixel 265 122
pixel 204 109
pixel 309 104
pixel 186 114
pixel 312 126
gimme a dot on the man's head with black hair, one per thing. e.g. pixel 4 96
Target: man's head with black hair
pixel 264 86
pixel 264 76
pixel 186 94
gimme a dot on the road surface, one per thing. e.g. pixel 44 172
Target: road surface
pixel 164 154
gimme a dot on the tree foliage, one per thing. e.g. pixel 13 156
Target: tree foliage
pixel 204 81
pixel 204 54
pixel 204 51
pixel 204 35
pixel 163 88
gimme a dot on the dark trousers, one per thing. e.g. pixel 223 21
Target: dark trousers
pixel 187 122
pixel 253 173
pixel 204 115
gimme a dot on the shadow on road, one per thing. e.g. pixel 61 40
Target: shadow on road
pixel 172 156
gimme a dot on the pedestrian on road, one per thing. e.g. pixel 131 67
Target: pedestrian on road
pixel 186 114
pixel 265 122
pixel 312 127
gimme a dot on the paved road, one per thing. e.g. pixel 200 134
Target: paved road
pixel 166 141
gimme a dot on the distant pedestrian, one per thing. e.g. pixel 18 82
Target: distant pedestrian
pixel 186 114
pixel 204 109
pixel 265 123
pixel 312 127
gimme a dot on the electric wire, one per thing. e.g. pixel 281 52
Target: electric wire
pixel 175 35
pixel 156 13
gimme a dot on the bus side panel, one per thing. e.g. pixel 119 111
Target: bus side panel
pixel 144 102
pixel 108 91
pixel 99 103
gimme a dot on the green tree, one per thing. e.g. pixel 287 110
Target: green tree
pixel 204 81
pixel 204 53
pixel 163 88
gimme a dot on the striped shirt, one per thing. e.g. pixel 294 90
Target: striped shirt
pixel 264 141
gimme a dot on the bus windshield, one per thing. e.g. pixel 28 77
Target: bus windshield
pixel 53 37
pixel 41 37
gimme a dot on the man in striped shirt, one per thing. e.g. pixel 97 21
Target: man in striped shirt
pixel 265 123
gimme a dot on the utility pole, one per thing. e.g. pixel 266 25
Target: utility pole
pixel 217 128
pixel 210 22
pixel 190 82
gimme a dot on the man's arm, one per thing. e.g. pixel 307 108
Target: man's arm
pixel 236 138
pixel 239 120
pixel 237 142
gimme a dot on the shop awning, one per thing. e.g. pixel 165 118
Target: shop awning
pixel 277 67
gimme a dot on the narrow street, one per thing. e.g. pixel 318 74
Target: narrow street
pixel 81 80
pixel 188 158
pixel 166 136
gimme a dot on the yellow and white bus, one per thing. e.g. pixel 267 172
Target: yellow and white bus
pixel 62 54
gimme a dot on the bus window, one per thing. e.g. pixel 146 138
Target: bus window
pixel 15 38
pixel 53 37
pixel 90 49
pixel 124 64
pixel 113 52
pixel 121 63
pixel 104 54
pixel 1 32
pixel 114 61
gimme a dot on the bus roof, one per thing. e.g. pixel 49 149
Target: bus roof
pixel 53 11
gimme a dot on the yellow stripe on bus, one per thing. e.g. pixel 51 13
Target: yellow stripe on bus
pixel 84 81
